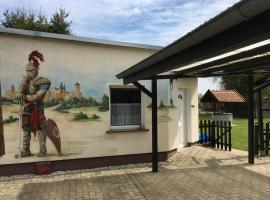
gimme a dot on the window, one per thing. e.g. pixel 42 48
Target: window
pixel 125 107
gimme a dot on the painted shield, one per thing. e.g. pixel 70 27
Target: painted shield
pixel 52 132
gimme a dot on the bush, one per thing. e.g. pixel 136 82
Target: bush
pixel 171 103
pixel 51 102
pixel 80 116
pixel 94 116
pixel 5 101
pixel 104 105
pixel 10 119
pixel 74 102
pixel 161 105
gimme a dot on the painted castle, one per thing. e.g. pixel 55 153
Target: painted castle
pixel 11 93
pixel 60 93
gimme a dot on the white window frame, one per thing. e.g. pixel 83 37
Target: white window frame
pixel 143 108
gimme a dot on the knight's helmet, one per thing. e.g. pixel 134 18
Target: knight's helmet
pixel 34 58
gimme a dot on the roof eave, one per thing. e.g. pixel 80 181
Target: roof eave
pixel 76 38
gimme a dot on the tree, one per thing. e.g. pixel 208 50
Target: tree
pixel 27 20
pixel 239 83
pixel 58 23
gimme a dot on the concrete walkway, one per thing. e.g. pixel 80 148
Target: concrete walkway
pixel 193 173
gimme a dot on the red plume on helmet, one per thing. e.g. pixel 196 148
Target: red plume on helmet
pixel 36 58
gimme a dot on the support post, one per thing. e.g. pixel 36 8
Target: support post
pixel 2 141
pixel 154 127
pixel 260 121
pixel 251 149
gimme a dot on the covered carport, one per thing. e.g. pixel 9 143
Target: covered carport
pixel 234 43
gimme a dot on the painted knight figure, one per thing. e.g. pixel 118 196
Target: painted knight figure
pixel 31 93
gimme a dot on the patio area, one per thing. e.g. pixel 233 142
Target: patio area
pixel 193 173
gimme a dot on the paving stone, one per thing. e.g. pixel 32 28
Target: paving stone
pixel 193 173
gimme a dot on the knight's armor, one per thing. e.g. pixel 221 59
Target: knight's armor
pixel 32 90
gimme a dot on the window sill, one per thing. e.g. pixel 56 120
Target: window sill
pixel 127 130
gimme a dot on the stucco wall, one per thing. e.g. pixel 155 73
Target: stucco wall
pixel 190 86
pixel 93 66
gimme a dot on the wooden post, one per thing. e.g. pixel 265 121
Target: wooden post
pixel 256 141
pixel 209 132
pixel 205 131
pixel 260 122
pixel 221 134
pixel 267 139
pixel 2 141
pixel 230 136
pixel 213 135
pixel 226 134
pixel 201 132
pixel 154 127
pixel 251 149
pixel 218 127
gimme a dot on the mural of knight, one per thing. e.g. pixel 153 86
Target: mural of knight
pixel 65 93
pixel 31 93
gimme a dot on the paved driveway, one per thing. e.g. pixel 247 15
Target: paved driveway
pixel 193 173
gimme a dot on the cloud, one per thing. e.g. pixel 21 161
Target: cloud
pixel 157 22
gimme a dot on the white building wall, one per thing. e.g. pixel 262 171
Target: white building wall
pixel 89 63
pixel 190 86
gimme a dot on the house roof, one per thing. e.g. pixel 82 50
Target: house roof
pixel 13 31
pixel 244 24
pixel 222 96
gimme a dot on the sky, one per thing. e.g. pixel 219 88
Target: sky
pixel 155 22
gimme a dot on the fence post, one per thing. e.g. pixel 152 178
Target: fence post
pixel 256 140
pixel 209 132
pixel 230 136
pixel 201 132
pixel 218 134
pixel 261 133
pixel 205 131
pixel 221 134
pixel 226 134
pixel 267 139
pixel 213 135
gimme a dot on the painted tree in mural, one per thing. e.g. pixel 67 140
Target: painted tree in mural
pixel 104 105
pixel 28 20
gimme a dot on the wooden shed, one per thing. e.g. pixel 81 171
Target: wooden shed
pixel 220 97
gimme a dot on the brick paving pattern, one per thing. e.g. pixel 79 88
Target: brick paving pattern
pixel 193 173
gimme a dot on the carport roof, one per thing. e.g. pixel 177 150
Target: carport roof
pixel 232 43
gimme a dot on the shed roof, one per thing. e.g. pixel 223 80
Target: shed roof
pixel 222 96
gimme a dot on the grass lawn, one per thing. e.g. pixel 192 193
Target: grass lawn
pixel 239 132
